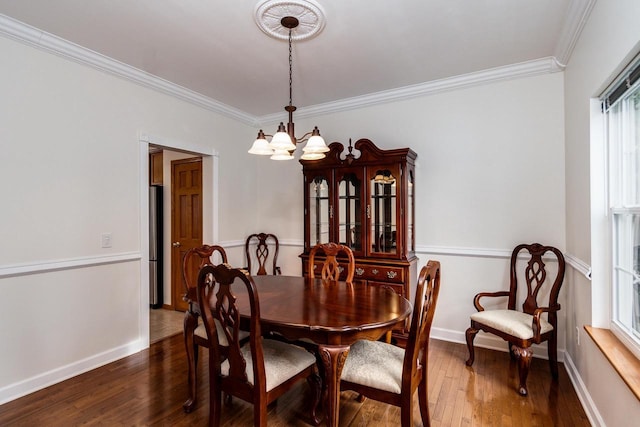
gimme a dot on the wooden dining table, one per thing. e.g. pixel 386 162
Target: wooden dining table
pixel 334 314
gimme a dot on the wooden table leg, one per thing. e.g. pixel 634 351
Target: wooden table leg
pixel 333 358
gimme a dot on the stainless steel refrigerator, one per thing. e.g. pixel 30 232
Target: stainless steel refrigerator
pixel 155 246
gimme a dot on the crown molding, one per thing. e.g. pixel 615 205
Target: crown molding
pixel 575 20
pixel 522 69
pixel 578 12
pixel 32 36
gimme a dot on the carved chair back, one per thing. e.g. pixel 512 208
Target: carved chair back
pixel 417 349
pixel 194 259
pixel 218 302
pixel 262 242
pixel 536 280
pixel 333 266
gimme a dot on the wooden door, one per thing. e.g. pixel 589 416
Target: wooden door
pixel 186 219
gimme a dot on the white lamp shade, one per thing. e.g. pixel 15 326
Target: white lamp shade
pixel 312 156
pixel 281 155
pixel 316 144
pixel 261 147
pixel 282 141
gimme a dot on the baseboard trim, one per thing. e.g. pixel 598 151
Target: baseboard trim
pixel 595 419
pixel 38 382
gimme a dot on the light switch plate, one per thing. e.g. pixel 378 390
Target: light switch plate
pixel 106 240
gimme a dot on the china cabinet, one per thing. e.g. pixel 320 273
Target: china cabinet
pixel 364 197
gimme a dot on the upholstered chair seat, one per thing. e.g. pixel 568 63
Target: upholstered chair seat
pixel 281 362
pixel 511 322
pixel 375 364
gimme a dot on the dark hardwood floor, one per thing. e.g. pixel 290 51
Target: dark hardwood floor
pixel 149 388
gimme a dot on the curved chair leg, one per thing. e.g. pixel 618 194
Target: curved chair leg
pixel 512 355
pixel 471 335
pixel 406 412
pixel 260 413
pixel 552 347
pixel 423 400
pixel 315 382
pixel 190 322
pixel 215 403
pixel 524 361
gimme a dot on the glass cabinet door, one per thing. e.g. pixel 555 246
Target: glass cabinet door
pixel 382 211
pixel 410 214
pixel 350 210
pixel 319 210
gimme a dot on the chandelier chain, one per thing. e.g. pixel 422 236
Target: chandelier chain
pixel 290 69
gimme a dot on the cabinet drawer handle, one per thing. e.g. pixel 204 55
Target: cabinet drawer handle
pixel 374 271
pixel 391 274
pixel 359 271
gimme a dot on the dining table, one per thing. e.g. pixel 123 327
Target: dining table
pixel 333 314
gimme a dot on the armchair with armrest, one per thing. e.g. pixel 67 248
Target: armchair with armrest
pixel 522 329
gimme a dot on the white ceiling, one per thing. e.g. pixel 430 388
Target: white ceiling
pixel 214 47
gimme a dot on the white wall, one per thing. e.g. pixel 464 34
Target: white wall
pixel 609 40
pixel 71 170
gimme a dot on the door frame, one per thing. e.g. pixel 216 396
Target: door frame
pixel 210 169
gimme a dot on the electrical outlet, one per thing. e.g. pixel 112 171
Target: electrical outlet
pixel 578 335
pixel 106 240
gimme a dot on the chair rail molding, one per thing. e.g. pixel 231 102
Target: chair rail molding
pixel 578 265
pixel 463 251
pixel 66 264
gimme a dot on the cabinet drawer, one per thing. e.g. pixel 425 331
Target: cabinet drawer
pixel 380 273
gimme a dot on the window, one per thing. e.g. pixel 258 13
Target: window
pixel 622 113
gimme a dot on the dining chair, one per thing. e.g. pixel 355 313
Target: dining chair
pixel 522 328
pixel 259 371
pixel 195 335
pixel 333 267
pixel 390 374
pixel 261 243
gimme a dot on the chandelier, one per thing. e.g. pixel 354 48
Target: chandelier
pixel 283 142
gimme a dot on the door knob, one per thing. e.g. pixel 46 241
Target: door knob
pixel 176 244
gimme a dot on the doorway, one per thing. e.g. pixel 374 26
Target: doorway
pixel 173 150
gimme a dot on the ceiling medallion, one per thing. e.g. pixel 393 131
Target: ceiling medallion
pixel 269 14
